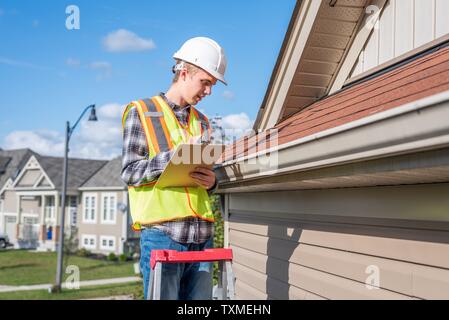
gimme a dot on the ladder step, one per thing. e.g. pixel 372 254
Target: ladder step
pixel 173 256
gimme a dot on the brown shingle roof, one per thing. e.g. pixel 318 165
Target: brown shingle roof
pixel 420 78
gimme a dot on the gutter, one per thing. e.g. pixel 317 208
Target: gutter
pixel 417 126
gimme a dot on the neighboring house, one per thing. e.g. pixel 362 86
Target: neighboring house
pixel 104 221
pixel 11 163
pixel 35 197
pixel 30 205
pixel 343 191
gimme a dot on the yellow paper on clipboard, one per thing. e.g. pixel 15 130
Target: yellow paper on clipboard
pixel 185 159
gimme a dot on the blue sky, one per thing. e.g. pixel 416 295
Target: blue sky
pixel 49 74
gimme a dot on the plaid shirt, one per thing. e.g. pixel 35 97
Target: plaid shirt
pixel 137 170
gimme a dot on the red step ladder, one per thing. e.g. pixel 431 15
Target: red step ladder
pixel 223 256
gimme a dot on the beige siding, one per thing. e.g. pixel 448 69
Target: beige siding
pixel 10 204
pixel 30 206
pixel 29 178
pixel 414 202
pixel 404 26
pixel 99 229
pixel 287 256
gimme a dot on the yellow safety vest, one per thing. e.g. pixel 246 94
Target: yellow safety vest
pixel 153 205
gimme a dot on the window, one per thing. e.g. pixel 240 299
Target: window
pixel 72 210
pixel 50 207
pixel 88 241
pixel 30 220
pixel 107 243
pixel 89 213
pixel 108 207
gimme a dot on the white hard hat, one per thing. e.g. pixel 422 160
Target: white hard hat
pixel 206 54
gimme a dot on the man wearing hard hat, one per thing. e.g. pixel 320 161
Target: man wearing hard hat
pixel 174 218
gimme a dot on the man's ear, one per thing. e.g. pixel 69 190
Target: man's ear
pixel 183 74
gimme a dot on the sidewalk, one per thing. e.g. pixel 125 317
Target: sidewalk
pixel 82 284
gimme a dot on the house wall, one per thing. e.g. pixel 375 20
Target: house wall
pixel 354 243
pixel 29 178
pixel 10 202
pixel 404 25
pixel 99 228
pixel 30 206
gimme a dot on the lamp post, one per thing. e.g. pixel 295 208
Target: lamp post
pixel 68 134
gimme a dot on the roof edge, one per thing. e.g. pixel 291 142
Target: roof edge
pixel 325 149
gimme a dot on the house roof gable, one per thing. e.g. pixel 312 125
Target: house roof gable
pixel 315 46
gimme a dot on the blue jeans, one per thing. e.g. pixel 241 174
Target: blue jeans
pixel 180 281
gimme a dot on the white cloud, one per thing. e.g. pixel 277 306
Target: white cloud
pixel 104 69
pixel 100 65
pixel 17 63
pixel 234 126
pixel 229 95
pixel 72 62
pixel 101 139
pixel 125 41
pixel 237 121
pixel 91 140
pixel 42 141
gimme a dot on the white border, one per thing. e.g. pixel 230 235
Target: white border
pixel 89 237
pixel 83 206
pixel 107 247
pixel 107 221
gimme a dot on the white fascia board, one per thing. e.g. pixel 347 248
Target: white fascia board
pixel 99 189
pixel 36 193
pixel 417 126
pixel 6 186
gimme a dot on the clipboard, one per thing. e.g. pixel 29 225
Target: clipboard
pixel 184 160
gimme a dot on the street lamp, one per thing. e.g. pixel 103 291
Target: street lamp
pixel 68 134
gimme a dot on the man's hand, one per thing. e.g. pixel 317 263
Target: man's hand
pixel 204 177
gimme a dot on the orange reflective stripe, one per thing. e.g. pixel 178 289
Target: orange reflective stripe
pixel 164 125
pixel 149 130
pixel 194 212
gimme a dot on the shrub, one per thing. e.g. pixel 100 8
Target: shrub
pixel 83 252
pixel 123 257
pixel 112 257
pixel 219 231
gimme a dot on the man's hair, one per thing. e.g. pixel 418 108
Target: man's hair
pixel 190 69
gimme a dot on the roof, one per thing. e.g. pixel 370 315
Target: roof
pixel 315 47
pixel 107 176
pixel 11 162
pixel 80 170
pixel 4 163
pixel 420 78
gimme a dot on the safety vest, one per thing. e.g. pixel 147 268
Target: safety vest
pixel 150 204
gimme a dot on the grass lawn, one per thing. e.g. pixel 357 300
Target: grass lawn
pixel 19 267
pixel 134 289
